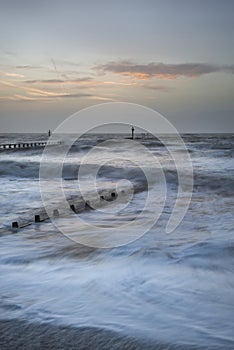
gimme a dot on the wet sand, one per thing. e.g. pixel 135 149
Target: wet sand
pixel 21 335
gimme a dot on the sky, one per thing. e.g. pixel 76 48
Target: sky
pixel 174 56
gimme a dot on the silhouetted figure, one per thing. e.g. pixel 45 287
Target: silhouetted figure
pixel 133 132
pixel 49 133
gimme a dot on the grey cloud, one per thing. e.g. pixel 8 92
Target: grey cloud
pixel 158 88
pixel 55 81
pixel 28 66
pixel 26 98
pixel 161 70
pixel 44 81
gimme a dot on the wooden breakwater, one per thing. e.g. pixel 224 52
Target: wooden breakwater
pixel 28 144
pixel 76 205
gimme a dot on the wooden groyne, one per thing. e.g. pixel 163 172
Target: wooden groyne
pixel 76 205
pixel 28 144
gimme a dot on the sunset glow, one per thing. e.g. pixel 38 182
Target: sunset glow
pixel 81 63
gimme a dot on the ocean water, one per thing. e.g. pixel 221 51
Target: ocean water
pixel 172 288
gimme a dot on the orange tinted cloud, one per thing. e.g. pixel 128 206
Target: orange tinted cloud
pixel 14 75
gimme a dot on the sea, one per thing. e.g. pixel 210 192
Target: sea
pixel 174 288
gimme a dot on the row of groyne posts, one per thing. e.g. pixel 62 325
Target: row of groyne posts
pixel 28 144
pixel 37 218
pixel 76 205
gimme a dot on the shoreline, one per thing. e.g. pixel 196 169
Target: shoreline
pixel 23 335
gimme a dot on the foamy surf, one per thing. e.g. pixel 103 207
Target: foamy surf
pixel 170 290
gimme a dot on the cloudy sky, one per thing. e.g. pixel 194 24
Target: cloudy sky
pixel 175 56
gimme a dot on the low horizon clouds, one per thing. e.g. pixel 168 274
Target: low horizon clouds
pixel 161 70
pixel 41 89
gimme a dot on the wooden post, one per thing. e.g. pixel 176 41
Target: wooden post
pixel 72 206
pixel 17 224
pixel 40 218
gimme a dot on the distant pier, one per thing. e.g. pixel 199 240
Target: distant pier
pixel 28 144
